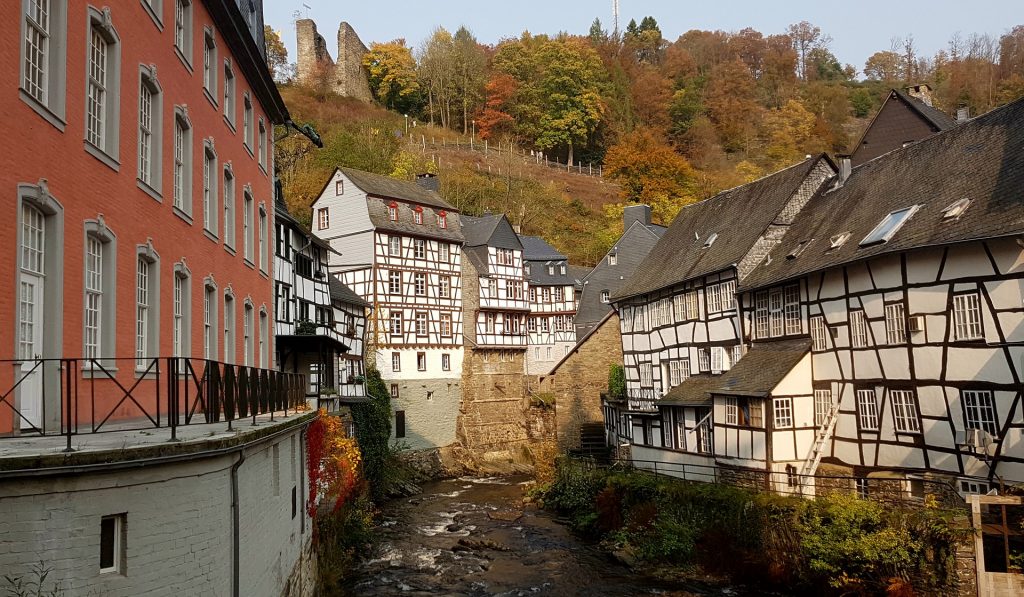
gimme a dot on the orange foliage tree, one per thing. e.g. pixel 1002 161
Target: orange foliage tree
pixel 651 172
pixel 494 119
pixel 333 465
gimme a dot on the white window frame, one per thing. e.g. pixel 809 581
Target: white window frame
pixel 782 413
pixel 248 124
pixel 895 324
pixel 229 93
pixel 889 226
pixel 819 333
pixel 396 364
pixel 150 131
pixel 444 287
pixel 210 185
pixel 446 325
pixel 761 316
pixel 443 252
pixel 261 140
pixel 394 246
pixel 967 322
pixel 43 58
pixel 181 156
pixel 718 360
pixel 419 281
pixel 776 312
pixel 323 218
pixel 422 321
pixel 646 375
pixel 247 209
pixel 394 282
pixel 822 406
pixel 183 28
pixel 229 206
pixel 858 329
pixel 980 411
pixel 147 307
pixel 210 65
pixel 397 323
pixel 94 298
pixel 732 411
pixel 791 308
pixel 103 90
pixel 867 410
pixel 419 248
pixel 904 411
pixel 247 330
pixel 262 232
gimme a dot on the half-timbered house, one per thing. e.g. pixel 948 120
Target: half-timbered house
pixel 908 276
pixel 553 295
pixel 681 331
pixel 398 245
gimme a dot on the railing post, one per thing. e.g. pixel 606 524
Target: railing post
pixel 172 397
pixel 68 376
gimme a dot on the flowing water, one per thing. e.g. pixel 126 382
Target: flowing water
pixel 473 537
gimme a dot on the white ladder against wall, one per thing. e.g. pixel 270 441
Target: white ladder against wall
pixel 821 439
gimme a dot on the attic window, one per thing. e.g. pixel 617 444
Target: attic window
pixel 838 240
pixel 799 249
pixel 339 187
pixel 417 215
pixel 956 209
pixel 711 239
pixel 889 226
pixel 393 212
pixel 562 269
pixel 551 269
pixel 442 220
pixel 613 259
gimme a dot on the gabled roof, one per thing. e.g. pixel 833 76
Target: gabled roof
pixel 392 188
pixel 981 160
pixel 490 230
pixel 737 218
pixel 536 248
pixel 933 115
pixel 762 368
pixel 342 293
pixel 282 214
pixel 901 119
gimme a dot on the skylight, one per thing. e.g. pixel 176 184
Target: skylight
pixel 711 239
pixel 956 209
pixel 838 240
pixel 799 249
pixel 889 225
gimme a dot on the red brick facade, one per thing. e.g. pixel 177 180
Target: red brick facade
pixel 84 188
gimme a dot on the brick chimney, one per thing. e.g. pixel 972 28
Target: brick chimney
pixel 922 92
pixel 429 181
pixel 636 213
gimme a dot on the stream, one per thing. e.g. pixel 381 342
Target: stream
pixel 474 537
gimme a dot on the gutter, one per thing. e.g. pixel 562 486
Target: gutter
pixel 236 546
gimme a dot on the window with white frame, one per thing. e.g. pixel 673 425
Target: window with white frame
pixel 446 325
pixel 792 309
pixel 732 411
pixel 210 64
pixel 904 411
pixel 264 331
pixel 393 212
pixel 394 246
pixel 209 188
pixel 782 408
pixel 247 210
pixel 489 322
pixel 229 206
pixel 146 312
pixel 761 315
pixel 442 220
pixel 262 246
pixel 323 219
pixel 446 361
pixel 665 312
pixel 155 10
pixel 613 259
pixel 420 284
pixel 209 322
pixel 704 354
pixel 776 312
pixel 181 311
pixel 605 296
pixel 895 324
pixel 396 323
pixel 396 366
pixel 967 316
pixel 819 333
pixel 183 29
pixel 676 372
pixel 93 297
pixel 858 329
pixel 229 326
pixel 727 293
pixel 419 248
pixel 692 305
pixel 421 324
pixel 822 406
pixel 261 140
pixel 719 360
pixel 679 308
pixel 394 282
pixel 444 287
pixel 867 410
pixel 43 57
pixel 980 411
pixel 646 375
pixel 737 353
pixel 559 295
pixel 182 168
pixel 531 325
pixel 889 225
pixel 229 93
pixel 247 121
pixel 247 344
pixel 150 102
pixel 102 93
pixel 443 252
pixel 421 361
pixel 713 296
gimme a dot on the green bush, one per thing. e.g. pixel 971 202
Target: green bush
pixel 616 382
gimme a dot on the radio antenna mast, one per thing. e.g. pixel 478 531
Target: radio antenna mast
pixel 615 15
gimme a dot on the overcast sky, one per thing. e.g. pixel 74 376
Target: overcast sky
pixel 858 28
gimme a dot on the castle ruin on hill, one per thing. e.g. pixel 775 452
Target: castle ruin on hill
pixel 349 77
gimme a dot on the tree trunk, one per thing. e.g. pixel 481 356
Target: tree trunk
pixel 570 154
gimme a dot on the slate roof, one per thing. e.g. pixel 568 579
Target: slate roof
pixel 378 212
pixel 933 115
pixel 739 217
pixel 536 248
pixel 392 188
pixel 762 368
pixel 901 119
pixel 694 391
pixel 342 293
pixel 981 160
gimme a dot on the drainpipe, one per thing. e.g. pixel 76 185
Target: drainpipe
pixel 235 542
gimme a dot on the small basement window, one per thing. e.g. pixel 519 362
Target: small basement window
pixel 711 239
pixel 889 225
pixel 956 209
pixel 111 543
pixel 838 240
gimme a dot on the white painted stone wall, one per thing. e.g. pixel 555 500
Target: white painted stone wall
pixel 178 525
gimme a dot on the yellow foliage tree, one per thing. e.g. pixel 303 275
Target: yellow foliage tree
pixel 392 74
pixel 651 172
pixel 789 130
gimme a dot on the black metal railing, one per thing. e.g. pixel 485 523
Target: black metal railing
pixel 643 400
pixel 124 394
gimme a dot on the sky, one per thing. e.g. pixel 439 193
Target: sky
pixel 858 28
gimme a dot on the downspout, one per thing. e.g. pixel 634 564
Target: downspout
pixel 235 541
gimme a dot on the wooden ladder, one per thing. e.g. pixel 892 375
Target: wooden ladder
pixel 821 439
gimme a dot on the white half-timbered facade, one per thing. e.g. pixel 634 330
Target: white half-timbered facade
pixel 399 247
pixel 494 264
pixel 695 387
pixel 553 297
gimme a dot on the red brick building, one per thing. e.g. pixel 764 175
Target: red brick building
pixel 137 214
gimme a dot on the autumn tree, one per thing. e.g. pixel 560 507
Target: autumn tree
pixel 470 74
pixel 805 38
pixel 393 75
pixel 883 66
pixel 732 104
pixel 651 172
pixel 495 120
pixel 789 134
pixel 277 55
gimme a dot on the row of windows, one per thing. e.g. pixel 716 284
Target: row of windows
pixel 549 353
pixel 718 298
pixel 421 324
pixel 421 365
pixel 419 248
pixel 549 294
pixel 714 359
pixel 419 284
pixel 441 217
pixel 511 323
pixel 550 268
pixel 967 324
pixel 557 323
pixel 513 289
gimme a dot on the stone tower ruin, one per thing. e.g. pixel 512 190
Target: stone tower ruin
pixel 349 77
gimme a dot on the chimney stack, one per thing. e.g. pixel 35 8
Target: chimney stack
pixel 922 92
pixel 636 213
pixel 429 181
pixel 845 168
pixel 963 114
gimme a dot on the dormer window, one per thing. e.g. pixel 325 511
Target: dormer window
pixel 613 259
pixel 417 215
pixel 799 249
pixel 562 269
pixel 605 296
pixel 889 226
pixel 551 270
pixel 956 209
pixel 393 212
pixel 442 220
pixel 838 240
pixel 711 240
pixel 528 270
